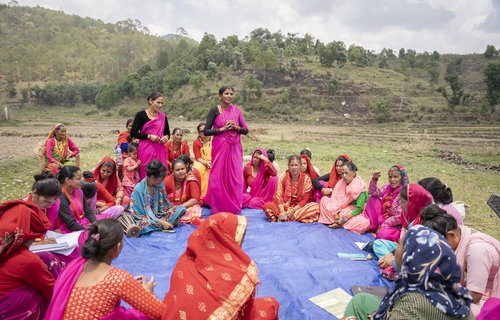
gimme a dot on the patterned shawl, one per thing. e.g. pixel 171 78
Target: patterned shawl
pixel 20 221
pixel 214 278
pixel 430 268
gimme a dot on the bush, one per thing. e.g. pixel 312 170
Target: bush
pixel 381 109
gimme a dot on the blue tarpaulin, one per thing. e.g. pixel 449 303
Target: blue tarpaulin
pixel 296 261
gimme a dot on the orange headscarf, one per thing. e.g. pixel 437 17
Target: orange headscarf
pixel 20 221
pixel 334 176
pixel 310 168
pixel 214 277
pixel 112 183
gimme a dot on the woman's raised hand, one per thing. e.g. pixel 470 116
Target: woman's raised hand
pixel 375 175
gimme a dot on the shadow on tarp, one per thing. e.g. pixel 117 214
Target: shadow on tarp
pixel 296 261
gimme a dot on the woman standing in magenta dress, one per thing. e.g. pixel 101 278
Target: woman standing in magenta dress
pixel 226 123
pixel 152 130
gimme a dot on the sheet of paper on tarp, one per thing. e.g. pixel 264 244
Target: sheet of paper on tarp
pixel 66 243
pixel 334 301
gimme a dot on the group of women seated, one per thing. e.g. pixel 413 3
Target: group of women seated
pixel 86 286
pixel 93 201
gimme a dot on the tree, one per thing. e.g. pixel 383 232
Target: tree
pixel 266 60
pixel 490 51
pixel 357 55
pixel 11 89
pixel 331 53
pixel 196 81
pixel 181 32
pixel 492 80
pixel 107 96
pixel 161 59
pixel 212 70
pixel 457 92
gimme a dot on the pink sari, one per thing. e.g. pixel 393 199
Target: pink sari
pixel 64 286
pixel 24 298
pixel 149 150
pixel 260 191
pixel 225 186
pixel 472 237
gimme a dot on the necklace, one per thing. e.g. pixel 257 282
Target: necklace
pixel 150 114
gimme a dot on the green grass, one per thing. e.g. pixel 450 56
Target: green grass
pixel 372 147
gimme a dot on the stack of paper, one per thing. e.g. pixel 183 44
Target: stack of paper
pixel 66 243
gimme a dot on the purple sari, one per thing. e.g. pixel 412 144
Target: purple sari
pixel 225 186
pixel 149 150
pixel 64 286
pixel 25 302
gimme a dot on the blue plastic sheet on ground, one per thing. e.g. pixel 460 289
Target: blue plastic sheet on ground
pixel 296 261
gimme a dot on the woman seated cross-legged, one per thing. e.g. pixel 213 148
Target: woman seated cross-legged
pixel 260 177
pixel 90 288
pixel 327 182
pixel 343 208
pixel 149 207
pixel 215 278
pixel 383 209
pixel 59 150
pixel 292 201
pixel 183 189
pixel 106 173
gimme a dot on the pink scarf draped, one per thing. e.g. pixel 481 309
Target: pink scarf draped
pixel 261 188
pixel 62 290
pixel 149 150
pixel 468 237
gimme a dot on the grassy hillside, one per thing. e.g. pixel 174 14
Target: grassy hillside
pixel 52 58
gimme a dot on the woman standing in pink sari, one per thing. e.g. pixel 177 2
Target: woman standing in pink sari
pixel 151 128
pixel 226 123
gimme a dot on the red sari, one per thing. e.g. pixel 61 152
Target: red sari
pixel 214 278
pixel 112 183
pixel 291 194
pixel 190 189
pixel 26 284
pixel 174 153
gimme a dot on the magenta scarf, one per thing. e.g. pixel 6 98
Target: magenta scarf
pixel 64 284
pixel 149 150
pixel 62 290
pixel 260 187
pixel 25 302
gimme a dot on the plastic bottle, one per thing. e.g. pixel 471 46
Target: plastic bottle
pixel 118 153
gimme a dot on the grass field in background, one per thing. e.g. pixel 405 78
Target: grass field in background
pixel 372 147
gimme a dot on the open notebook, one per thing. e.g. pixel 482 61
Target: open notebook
pixel 334 301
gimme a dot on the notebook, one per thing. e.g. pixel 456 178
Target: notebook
pixel 334 301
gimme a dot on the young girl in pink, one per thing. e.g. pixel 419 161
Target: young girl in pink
pixel 130 170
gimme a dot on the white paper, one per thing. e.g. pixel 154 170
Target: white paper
pixel 65 245
pixel 361 245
